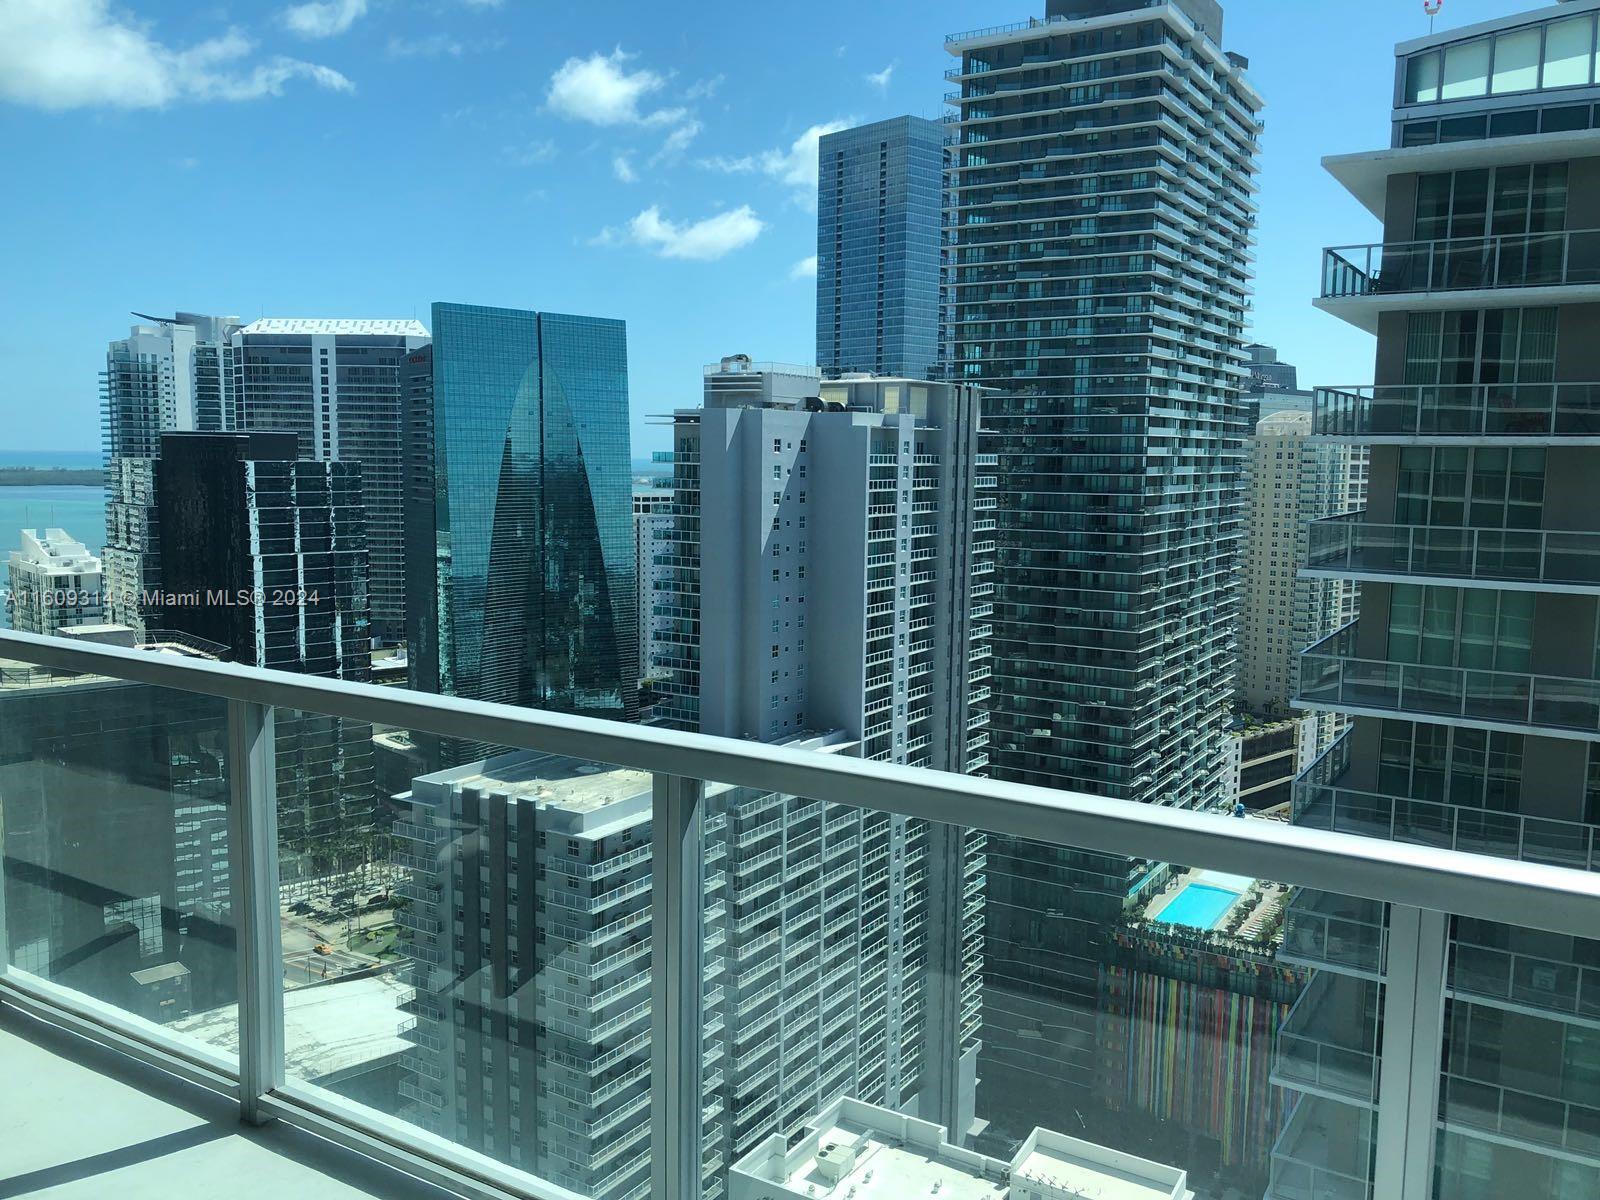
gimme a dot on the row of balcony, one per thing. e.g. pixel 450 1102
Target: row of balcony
pixel 1520 412
pixel 1546 558
pixel 1334 676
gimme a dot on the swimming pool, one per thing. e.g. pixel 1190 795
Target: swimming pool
pixel 1200 906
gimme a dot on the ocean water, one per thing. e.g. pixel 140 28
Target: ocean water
pixel 79 459
pixel 81 511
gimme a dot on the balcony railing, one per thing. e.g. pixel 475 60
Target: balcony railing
pixel 1468 410
pixel 1321 802
pixel 1350 545
pixel 214 724
pixel 1563 258
pixel 1333 676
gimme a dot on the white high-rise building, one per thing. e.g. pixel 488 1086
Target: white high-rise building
pixel 55 582
pixel 652 519
pixel 1291 480
pixel 830 569
pixel 169 375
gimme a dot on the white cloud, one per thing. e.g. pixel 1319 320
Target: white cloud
pixel 432 46
pixel 704 89
pixel 602 91
pixel 531 154
pixel 806 268
pixel 677 142
pixel 701 241
pixel 744 165
pixel 623 169
pixel 797 166
pixel 323 18
pixel 63 54
pixel 880 79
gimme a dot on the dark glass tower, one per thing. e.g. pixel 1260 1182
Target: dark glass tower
pixel 265 554
pixel 1101 221
pixel 521 572
pixel 879 192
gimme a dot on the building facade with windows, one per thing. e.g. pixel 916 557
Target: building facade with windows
pixel 1102 216
pixel 263 553
pixel 1471 675
pixel 829 569
pixel 170 375
pixel 519 480
pixel 879 247
pixel 54 582
pixel 1291 480
pixel 336 385
pixel 652 518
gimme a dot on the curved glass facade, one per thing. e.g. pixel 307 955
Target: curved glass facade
pixel 526 592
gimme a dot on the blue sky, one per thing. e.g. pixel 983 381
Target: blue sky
pixel 639 160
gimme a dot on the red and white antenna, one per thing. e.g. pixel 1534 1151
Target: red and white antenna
pixel 1432 7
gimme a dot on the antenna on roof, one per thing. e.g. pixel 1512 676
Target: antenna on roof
pixel 1432 7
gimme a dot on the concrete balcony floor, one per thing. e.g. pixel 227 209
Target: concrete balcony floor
pixel 80 1122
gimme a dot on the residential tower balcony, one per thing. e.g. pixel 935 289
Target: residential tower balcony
pixel 1443 414
pixel 1322 802
pixel 1334 677
pixel 1546 560
pixel 1360 282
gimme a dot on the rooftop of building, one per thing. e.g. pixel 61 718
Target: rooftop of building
pixel 329 1029
pixel 55 549
pixel 570 783
pixel 1287 422
pixel 865 1152
pixel 374 327
pixel 17 675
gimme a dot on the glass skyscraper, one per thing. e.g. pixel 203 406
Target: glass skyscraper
pixel 335 384
pixel 879 192
pixel 521 574
pixel 1101 222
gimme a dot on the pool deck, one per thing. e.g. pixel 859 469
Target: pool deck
pixel 1158 904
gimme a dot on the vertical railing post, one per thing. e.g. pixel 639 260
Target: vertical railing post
pixel 5 945
pixel 1413 1044
pixel 677 954
pixel 258 929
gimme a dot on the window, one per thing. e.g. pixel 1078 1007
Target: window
pixel 1422 79
pixel 1568 47
pixel 1455 627
pixel 1516 61
pixel 1466 70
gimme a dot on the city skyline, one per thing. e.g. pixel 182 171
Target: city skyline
pixel 543 132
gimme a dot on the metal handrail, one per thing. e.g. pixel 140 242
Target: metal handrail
pixel 1544 897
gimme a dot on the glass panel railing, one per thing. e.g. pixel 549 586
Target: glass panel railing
pixel 1564 257
pixel 472 954
pixel 902 997
pixel 114 847
pixel 1349 543
pixel 1322 800
pixel 1509 410
pixel 1332 674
